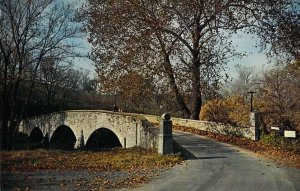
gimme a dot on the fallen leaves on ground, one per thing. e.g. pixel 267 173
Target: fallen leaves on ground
pixel 278 155
pixel 139 165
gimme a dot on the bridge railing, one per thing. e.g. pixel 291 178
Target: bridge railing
pixel 247 132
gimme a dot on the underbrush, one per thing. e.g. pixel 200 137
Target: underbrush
pixel 283 143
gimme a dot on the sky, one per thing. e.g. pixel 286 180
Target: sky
pixel 85 46
pixel 84 63
pixel 254 58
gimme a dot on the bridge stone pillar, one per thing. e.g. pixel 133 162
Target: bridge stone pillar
pixel 79 144
pixel 165 140
pixel 255 125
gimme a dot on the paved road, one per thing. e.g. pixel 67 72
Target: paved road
pixel 217 166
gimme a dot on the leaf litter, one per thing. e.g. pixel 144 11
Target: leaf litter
pixel 117 168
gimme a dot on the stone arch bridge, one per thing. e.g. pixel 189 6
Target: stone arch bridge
pixel 129 129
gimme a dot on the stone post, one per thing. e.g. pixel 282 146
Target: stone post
pixel 165 140
pixel 255 125
pixel 79 144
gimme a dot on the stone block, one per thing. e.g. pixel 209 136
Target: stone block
pixel 165 140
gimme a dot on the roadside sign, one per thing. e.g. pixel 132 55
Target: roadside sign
pixel 291 134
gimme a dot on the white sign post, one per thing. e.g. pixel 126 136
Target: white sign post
pixel 275 128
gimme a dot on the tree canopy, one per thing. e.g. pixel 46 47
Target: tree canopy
pixel 181 44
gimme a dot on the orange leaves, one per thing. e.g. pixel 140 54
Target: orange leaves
pixel 136 91
pixel 119 159
pixel 233 110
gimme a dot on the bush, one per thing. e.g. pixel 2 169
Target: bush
pixel 216 111
pixel 233 110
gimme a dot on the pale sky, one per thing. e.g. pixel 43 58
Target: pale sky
pixel 84 63
pixel 255 58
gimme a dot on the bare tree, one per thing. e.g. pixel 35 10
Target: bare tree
pixel 280 94
pixel 247 80
pixel 54 78
pixel 31 32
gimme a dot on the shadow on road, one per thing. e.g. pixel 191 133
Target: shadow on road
pixel 187 155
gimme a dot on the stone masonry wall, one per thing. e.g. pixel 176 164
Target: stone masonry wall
pixel 208 126
pixel 148 134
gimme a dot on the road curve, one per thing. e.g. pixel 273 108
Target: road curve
pixel 214 166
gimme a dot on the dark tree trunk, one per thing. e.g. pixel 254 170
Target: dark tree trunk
pixel 179 98
pixel 170 74
pixel 4 102
pixel 196 96
pixel 195 70
pixel 4 121
pixel 4 135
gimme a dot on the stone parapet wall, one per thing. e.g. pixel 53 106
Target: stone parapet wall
pixel 208 126
pixel 148 134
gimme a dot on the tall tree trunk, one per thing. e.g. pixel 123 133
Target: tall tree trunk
pixel 4 103
pixel 179 98
pixel 196 96
pixel 170 74
pixel 4 117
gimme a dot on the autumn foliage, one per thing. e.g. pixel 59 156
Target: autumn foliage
pixel 177 43
pixel 276 99
pixel 233 110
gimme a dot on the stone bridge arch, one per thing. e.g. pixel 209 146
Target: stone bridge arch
pixel 46 123
pixel 103 138
pixel 93 130
pixel 35 137
pixel 62 137
pixel 131 129
pixel 36 134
